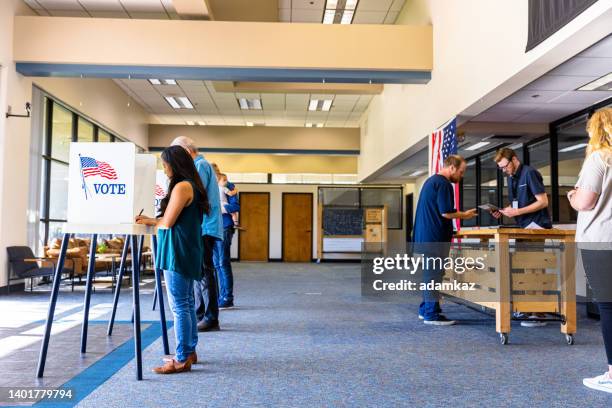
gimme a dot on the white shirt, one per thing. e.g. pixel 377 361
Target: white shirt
pixel 223 198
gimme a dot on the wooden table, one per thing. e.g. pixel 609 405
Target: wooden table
pixel 533 265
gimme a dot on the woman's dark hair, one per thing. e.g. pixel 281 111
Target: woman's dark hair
pixel 183 169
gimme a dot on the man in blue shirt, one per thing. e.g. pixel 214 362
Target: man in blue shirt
pixel 205 290
pixel 528 204
pixel 433 231
pixel 526 192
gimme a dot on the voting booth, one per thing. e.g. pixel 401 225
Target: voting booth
pixel 109 185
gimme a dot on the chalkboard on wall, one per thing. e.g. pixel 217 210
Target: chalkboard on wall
pixel 342 221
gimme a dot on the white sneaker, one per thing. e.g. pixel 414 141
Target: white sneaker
pixel 421 317
pixel 533 323
pixel 602 382
pixel 440 321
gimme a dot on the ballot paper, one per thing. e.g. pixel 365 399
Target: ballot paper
pixel 533 225
pixel 488 207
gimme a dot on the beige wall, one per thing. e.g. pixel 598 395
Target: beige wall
pixel 98 99
pixel 479 54
pixel 258 137
pixel 269 163
pixel 261 45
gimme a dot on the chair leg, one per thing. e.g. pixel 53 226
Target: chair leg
pixel 31 285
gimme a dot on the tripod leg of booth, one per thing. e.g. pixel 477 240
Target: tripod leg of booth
pixel 52 302
pixel 160 295
pixel 136 306
pixel 111 322
pixel 86 302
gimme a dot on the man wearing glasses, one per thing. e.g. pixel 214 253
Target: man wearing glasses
pixel 528 199
pixel 528 204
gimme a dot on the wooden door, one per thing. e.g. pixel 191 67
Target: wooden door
pixel 297 227
pixel 253 240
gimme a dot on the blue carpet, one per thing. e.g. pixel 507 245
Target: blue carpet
pixel 302 336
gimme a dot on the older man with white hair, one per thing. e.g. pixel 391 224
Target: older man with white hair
pixel 206 295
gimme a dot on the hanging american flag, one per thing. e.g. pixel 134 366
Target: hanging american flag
pixel 93 167
pixel 444 144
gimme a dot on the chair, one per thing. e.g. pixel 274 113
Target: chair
pixel 25 265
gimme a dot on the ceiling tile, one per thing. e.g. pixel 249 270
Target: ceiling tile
pixel 308 4
pixel 183 83
pixel 369 17
pixel 391 17
pixel 583 97
pixel 528 96
pixel 273 101
pixel 284 15
pixel 580 66
pixel 148 15
pixel 374 5
pixel 306 16
pixel 284 4
pixel 559 83
pixel 60 4
pixel 101 5
pixel 602 49
pixel 34 5
pixel 397 5
pixel 109 14
pixel 147 6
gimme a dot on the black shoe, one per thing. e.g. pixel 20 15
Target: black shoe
pixel 205 326
pixel 441 320
pixel 226 305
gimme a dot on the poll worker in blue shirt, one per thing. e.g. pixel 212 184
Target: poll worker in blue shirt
pixel 433 230
pixel 206 289
pixel 526 192
pixel 528 205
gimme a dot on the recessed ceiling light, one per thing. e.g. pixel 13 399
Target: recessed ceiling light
pixel 328 17
pixel 201 123
pixel 169 82
pixel 246 103
pixel 331 4
pixel 154 81
pixel 416 173
pixel 190 122
pixel 601 84
pixel 183 100
pixel 350 4
pixel 347 17
pixel 477 146
pixel 173 102
pixel 312 106
pixel 250 124
pixel 320 105
pixel 326 105
pixel 572 148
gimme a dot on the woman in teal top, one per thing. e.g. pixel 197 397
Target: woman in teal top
pixel 179 251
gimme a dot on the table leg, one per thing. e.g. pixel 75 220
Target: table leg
pixel 91 266
pixel 502 270
pixel 52 302
pixel 160 295
pixel 155 294
pixel 568 286
pixel 111 322
pixel 136 306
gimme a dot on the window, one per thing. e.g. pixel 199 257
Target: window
pixel 572 139
pixel 468 197
pixel 60 127
pixel 539 159
pixel 489 189
pixel 343 197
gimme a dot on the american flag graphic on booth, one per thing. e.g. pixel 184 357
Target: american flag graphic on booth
pixel 444 144
pixel 93 167
pixel 159 191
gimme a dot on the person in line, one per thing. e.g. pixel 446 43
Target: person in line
pixel 592 198
pixel 433 230
pixel 230 190
pixel 206 289
pixel 179 251
pixel 222 258
pixel 528 205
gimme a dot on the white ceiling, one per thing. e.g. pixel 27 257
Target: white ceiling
pixel 146 9
pixel 367 12
pixel 296 11
pixel 221 108
pixel 556 91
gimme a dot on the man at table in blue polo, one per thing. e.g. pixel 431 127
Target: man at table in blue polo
pixel 528 204
pixel 433 231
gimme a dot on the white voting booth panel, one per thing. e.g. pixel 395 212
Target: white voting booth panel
pixel 108 186
pixel 161 188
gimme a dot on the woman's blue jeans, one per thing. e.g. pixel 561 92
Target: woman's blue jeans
pixel 182 304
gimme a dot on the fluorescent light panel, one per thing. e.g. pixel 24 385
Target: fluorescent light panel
pixel 477 146
pixel 180 102
pixel 172 102
pixel 310 124
pixel 320 105
pixel 247 104
pixel 201 123
pixel 190 122
pixel 154 81
pixel 416 173
pixel 601 84
pixel 572 148
pixel 339 13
